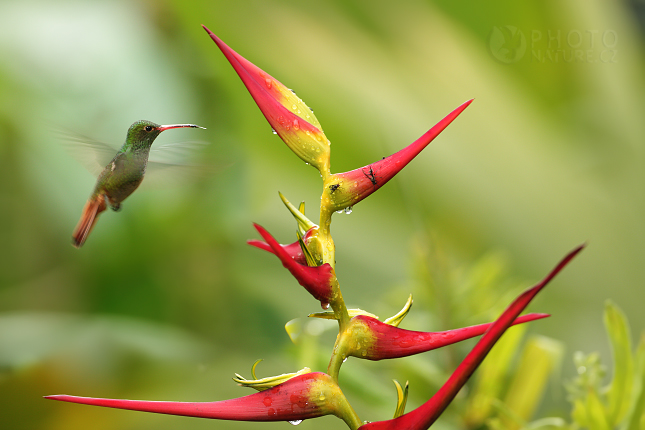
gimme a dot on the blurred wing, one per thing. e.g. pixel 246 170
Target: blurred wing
pixel 92 154
pixel 173 164
pixel 175 153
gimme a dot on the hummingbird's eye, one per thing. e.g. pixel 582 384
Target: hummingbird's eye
pixel 148 128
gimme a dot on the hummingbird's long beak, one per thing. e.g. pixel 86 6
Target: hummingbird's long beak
pixel 168 127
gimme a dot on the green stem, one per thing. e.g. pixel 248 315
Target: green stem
pixel 338 355
pixel 328 247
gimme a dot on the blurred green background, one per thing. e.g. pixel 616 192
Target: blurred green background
pixel 166 301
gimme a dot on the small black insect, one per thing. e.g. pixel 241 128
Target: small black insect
pixel 334 187
pixel 371 176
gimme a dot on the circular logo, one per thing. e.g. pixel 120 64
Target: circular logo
pixel 507 44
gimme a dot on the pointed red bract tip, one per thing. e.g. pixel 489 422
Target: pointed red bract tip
pixel 289 401
pixel 393 342
pixel 353 186
pixel 293 249
pixel 289 117
pixel 316 280
pixel 425 415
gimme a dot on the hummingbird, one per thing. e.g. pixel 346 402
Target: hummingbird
pixel 121 176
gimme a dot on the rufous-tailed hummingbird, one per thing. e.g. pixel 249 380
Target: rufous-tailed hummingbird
pixel 121 176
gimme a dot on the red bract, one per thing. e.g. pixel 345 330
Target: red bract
pixel 296 399
pixel 388 341
pixel 346 189
pixel 289 116
pixel 293 249
pixel 318 280
pixel 426 414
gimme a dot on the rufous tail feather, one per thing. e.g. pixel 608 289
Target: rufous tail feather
pixel 94 206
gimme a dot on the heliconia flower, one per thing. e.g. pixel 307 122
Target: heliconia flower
pixel 343 190
pixel 289 116
pixel 309 395
pixel 293 249
pixel 372 339
pixel 304 223
pixel 394 320
pixel 307 249
pixel 319 281
pixel 425 415
pixel 262 384
pixel 401 398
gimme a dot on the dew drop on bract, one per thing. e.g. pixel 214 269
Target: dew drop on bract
pixel 295 422
pixel 324 305
pixel 348 210
pixel 344 359
pixel 273 130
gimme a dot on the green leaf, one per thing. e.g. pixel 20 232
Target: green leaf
pixel 636 416
pixel 620 389
pixel 490 373
pixel 539 357
pixel 597 413
pixel 579 414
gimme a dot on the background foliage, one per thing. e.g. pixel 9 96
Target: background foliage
pixel 166 301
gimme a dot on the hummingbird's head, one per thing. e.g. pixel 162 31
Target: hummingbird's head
pixel 142 133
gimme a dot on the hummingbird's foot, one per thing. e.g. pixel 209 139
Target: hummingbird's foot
pixel 116 207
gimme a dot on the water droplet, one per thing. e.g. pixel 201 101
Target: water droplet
pixel 322 397
pixel 267 401
pixel 269 82
pixel 296 124
pixel 324 305
pixel 295 422
pixel 348 210
pixel 344 359
pixel 307 132
pixel 273 130
pixel 294 107
pixel 364 353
